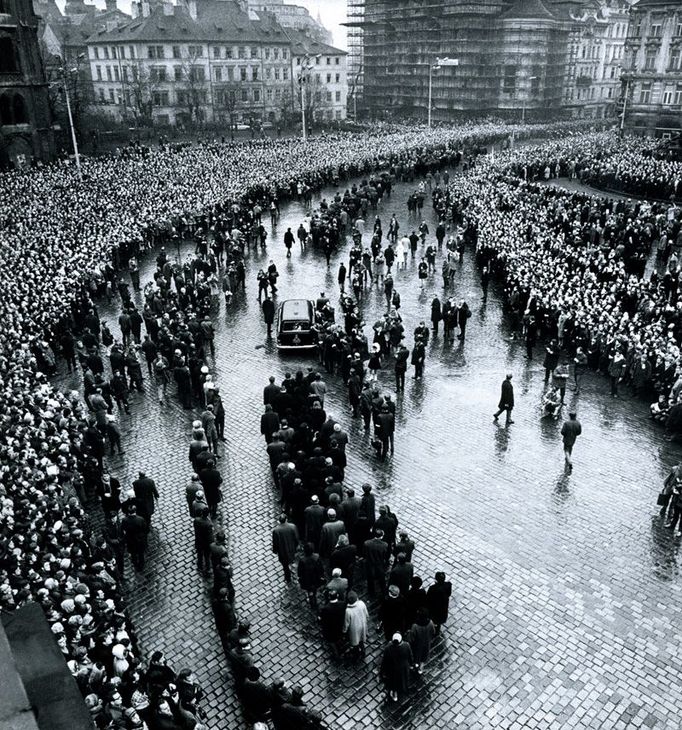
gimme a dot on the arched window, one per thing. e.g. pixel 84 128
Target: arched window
pixel 19 109
pixel 6 110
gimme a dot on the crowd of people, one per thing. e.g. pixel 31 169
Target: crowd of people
pixel 66 243
pixel 573 269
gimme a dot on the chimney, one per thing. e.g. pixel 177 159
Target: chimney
pixel 135 9
pixel 168 8
pixel 192 9
pixel 146 9
pixel 110 5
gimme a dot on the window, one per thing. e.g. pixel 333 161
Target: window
pixel 329 61
pixel 113 51
pixel 102 98
pixel 678 28
pixel 125 73
pixel 678 95
pixel 180 96
pixel 645 93
pixel 96 51
pixel 154 51
pixel 254 52
pixel 216 51
pixel 106 52
pixel 338 96
pixel 668 95
pixel 656 30
pixel 329 78
pixel 337 78
pixel 285 55
pixel 317 60
pixel 116 74
pixel 275 53
pixel 254 73
pixel 218 73
pixel 228 51
pixel 245 94
pixel 268 94
pixel 196 51
pixel 176 52
pixel 112 99
pixel 122 52
pixel 276 74
pixel 160 98
pixel 98 71
pixel 158 73
pixel 268 73
pixel 197 73
pixel 650 60
pixel 298 61
pixel 509 81
pixel 329 96
pixel 230 73
pixel 242 73
pixel 674 64
pixel 109 78
pixel 336 61
pixel 318 96
pixel 132 51
pixel 240 52
pixel 285 74
pixel 256 94
pixel 318 78
pixel 267 54
pixel 177 73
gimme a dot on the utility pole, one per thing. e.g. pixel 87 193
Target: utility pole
pixel 74 141
pixel 625 107
pixel 306 67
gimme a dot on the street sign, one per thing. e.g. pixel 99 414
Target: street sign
pixel 447 61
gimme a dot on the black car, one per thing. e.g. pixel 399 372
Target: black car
pixel 295 322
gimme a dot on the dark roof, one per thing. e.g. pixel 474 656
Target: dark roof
pixel 217 21
pixel 528 9
pixel 301 43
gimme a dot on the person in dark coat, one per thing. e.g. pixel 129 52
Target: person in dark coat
pixel 146 494
pixel 313 517
pixel 415 599
pixel 375 552
pixel 552 353
pixel 436 314
pixel 268 313
pixel 211 480
pixel 332 617
pixel 134 529
pixel 343 557
pixel 385 430
pixel 393 612
pixel 506 399
pixel 463 315
pixel 310 573
pixel 269 423
pixel 401 574
pixel 284 544
pixel 256 696
pixel 420 636
pixel 438 600
pixel 395 666
pixel 223 613
pixel 203 537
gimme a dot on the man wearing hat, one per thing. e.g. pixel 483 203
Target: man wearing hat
pixel 284 544
pixel 375 551
pixel 569 433
pixel 330 534
pixel 134 529
pixel 506 399
pixel 313 517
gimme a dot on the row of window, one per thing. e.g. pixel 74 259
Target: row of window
pixel 674 60
pixel 318 60
pixel 670 96
pixel 222 97
pixel 189 51
pixel 655 29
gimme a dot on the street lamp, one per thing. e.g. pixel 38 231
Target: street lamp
pixel 523 111
pixel 435 67
pixel 64 74
pixel 306 66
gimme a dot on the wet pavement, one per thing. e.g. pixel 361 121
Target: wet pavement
pixel 566 593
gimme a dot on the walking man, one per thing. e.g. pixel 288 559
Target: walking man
pixel 506 399
pixel 570 432
pixel 284 544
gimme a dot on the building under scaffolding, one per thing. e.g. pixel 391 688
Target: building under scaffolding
pixel 512 56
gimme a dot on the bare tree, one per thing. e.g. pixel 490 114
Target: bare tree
pixel 227 98
pixel 193 94
pixel 138 99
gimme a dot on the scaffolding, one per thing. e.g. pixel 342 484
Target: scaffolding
pixel 356 47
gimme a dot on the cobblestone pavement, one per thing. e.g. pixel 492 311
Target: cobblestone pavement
pixel 566 609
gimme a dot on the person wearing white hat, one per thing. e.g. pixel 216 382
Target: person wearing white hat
pixel 395 666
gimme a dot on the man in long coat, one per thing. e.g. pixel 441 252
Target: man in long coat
pixel 284 544
pixel 506 399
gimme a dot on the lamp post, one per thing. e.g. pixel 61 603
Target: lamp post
pixel 306 67
pixel 435 67
pixel 65 85
pixel 523 109
pixel 625 106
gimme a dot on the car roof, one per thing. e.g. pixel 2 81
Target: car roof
pixel 296 309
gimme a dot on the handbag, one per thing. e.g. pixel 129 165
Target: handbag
pixel 662 500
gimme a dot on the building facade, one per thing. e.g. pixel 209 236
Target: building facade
pixel 321 71
pixel 206 61
pixel 25 121
pixel 652 73
pixel 515 58
pixel 294 17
